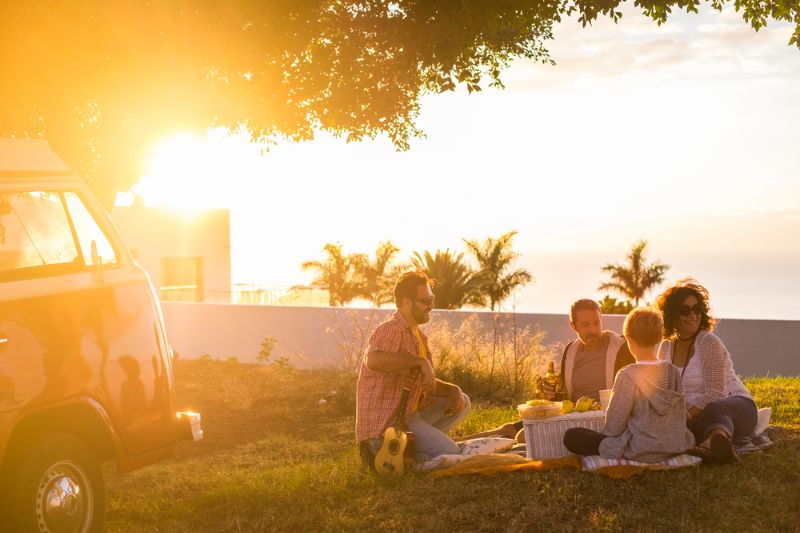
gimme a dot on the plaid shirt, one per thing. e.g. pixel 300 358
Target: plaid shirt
pixel 378 393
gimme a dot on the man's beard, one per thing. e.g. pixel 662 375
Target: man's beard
pixel 592 341
pixel 420 317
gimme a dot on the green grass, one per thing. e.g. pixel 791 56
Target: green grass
pixel 275 460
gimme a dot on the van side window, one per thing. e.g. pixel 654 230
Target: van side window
pixel 89 232
pixel 34 233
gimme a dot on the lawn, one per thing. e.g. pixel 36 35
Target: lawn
pixel 275 458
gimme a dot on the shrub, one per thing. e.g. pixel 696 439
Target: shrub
pixel 267 345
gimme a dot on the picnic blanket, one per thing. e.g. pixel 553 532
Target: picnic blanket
pixel 751 443
pixel 493 463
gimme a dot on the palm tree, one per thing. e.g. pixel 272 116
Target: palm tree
pixel 634 279
pixel 338 273
pixel 494 257
pixel 610 306
pixel 378 276
pixel 457 284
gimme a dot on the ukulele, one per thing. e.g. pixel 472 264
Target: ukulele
pixel 389 461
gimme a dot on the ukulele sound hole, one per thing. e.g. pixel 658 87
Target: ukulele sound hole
pixel 394 447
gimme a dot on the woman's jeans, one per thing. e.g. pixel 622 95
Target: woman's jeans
pixel 736 415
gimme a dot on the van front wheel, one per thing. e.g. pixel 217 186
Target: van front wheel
pixel 61 488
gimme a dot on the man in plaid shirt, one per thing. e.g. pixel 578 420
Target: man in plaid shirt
pixel 398 355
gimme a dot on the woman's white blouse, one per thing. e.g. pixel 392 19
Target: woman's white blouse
pixel 709 376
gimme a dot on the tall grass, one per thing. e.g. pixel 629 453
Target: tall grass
pixel 496 364
pixel 499 367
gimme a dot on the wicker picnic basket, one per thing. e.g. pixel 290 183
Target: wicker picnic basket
pixel 544 437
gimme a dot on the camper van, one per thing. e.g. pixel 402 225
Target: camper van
pixel 85 365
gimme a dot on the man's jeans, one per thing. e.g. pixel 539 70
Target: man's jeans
pixel 430 427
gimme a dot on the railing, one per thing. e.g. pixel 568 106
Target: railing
pixel 250 294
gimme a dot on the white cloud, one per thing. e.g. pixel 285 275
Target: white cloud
pixel 702 47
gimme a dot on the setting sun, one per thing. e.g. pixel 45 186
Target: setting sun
pixel 187 170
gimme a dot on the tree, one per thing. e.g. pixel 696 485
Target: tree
pixel 495 257
pixel 457 284
pixel 378 276
pixel 103 79
pixel 635 278
pixel 338 273
pixel 611 306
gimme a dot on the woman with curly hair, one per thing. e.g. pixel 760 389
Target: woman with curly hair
pixel 717 402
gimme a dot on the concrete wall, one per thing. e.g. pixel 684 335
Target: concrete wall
pixel 323 336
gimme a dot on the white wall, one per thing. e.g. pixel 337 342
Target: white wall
pixel 319 336
pixel 153 233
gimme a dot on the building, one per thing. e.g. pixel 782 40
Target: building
pixel 186 252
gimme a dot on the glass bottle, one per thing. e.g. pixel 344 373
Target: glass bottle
pixel 551 377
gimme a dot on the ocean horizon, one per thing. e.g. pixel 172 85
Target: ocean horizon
pixel 741 286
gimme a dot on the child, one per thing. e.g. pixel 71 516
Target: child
pixel 646 418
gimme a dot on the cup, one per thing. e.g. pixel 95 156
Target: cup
pixel 605 398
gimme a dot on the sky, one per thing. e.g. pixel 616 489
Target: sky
pixel 683 134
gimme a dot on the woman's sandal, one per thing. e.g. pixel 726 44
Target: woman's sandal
pixel 722 450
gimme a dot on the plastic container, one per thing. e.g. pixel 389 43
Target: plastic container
pixel 539 411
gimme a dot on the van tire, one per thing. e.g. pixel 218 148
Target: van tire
pixel 60 487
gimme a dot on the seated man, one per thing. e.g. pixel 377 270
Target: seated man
pixel 588 364
pixel 398 355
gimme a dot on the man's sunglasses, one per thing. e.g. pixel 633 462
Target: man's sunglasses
pixel 684 310
pixel 425 301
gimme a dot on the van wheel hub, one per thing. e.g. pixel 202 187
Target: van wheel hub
pixel 64 499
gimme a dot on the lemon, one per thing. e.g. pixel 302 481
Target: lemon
pixel 583 404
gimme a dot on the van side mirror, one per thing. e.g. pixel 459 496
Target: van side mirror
pixel 95 256
pixel 97 263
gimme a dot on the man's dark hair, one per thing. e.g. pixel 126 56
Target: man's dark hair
pixel 582 305
pixel 406 286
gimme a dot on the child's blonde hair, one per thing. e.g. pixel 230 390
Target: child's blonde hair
pixel 644 326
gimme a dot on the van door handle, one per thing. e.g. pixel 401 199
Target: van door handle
pixel 3 340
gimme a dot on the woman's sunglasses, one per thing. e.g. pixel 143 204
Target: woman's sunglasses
pixel 684 310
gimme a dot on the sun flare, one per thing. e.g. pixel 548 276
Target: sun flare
pixel 189 171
